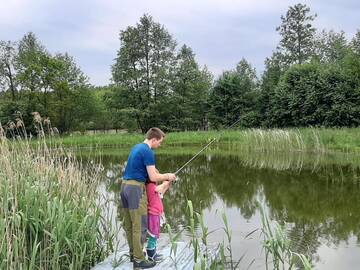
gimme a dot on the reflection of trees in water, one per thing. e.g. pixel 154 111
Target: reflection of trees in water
pixel 236 185
pixel 193 184
pixel 277 161
pixel 316 203
pixel 306 197
pixel 305 239
pixel 316 209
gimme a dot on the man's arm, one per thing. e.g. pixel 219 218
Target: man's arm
pixel 155 176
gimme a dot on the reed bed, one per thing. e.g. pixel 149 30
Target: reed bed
pixel 264 140
pixel 277 245
pixel 273 140
pixel 50 217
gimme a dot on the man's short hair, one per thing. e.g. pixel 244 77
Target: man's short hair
pixel 154 132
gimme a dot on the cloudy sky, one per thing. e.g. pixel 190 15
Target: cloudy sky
pixel 220 32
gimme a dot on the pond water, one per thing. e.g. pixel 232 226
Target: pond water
pixel 316 198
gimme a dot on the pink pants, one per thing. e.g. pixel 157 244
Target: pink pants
pixel 154 225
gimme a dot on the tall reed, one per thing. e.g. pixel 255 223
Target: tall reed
pixel 281 140
pixel 173 238
pixel 50 215
pixel 278 246
pixel 203 259
pixel 199 243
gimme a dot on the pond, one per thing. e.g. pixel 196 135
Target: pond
pixel 315 197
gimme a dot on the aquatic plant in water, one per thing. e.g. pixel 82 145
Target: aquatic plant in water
pixel 278 246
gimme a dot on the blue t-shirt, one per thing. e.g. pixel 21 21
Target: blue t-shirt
pixel 140 156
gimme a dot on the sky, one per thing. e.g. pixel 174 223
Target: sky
pixel 220 32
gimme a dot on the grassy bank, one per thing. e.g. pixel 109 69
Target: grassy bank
pixel 306 139
pixel 50 216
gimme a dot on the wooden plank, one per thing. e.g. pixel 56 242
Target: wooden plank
pixel 184 259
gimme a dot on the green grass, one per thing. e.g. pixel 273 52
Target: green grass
pixel 304 139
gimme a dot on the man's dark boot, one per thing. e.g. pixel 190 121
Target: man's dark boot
pixel 144 264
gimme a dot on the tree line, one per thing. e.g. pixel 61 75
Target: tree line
pixel 312 78
pixel 33 81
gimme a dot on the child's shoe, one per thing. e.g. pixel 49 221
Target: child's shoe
pixel 153 256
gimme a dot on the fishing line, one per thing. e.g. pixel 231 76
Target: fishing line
pixel 206 146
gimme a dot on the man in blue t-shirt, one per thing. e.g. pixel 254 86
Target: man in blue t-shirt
pixel 139 168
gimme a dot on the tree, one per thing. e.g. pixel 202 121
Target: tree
pixel 274 68
pixel 144 65
pixel 297 34
pixel 70 90
pixel 70 72
pixel 342 91
pixel 31 61
pixel 118 101
pixel 53 86
pixel 330 46
pixel 233 97
pixel 355 43
pixel 7 67
pixel 31 55
pixel 297 97
pixel 10 100
pixel 191 90
pixel 315 94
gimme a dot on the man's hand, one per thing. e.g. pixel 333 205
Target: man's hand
pixel 171 176
pixel 163 187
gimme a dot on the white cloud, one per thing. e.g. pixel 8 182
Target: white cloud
pixel 12 11
pixel 220 32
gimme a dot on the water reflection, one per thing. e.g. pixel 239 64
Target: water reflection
pixel 315 197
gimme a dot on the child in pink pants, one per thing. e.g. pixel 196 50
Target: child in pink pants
pixel 155 211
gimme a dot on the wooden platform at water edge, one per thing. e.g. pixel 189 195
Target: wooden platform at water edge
pixel 184 259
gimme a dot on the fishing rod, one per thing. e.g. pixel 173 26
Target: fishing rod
pixel 206 146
